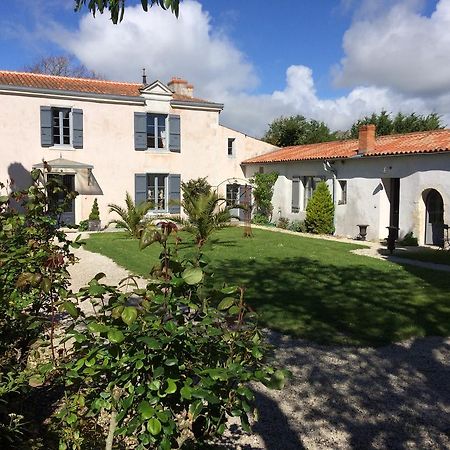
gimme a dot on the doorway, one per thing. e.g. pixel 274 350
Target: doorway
pixel 67 217
pixel 238 194
pixel 394 199
pixel 434 222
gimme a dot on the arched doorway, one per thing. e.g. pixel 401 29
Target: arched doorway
pixel 434 218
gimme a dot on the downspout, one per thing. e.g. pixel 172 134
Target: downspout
pixel 327 167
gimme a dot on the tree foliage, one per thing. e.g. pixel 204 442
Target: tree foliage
pixel 297 130
pixel 95 213
pixel 263 185
pixel 195 188
pixel 63 66
pixel 320 211
pixel 387 124
pixel 116 8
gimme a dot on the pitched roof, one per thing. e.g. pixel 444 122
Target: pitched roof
pixel 83 85
pixel 397 144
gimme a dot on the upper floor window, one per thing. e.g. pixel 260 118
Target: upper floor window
pixel 156 131
pixel 231 143
pixel 61 126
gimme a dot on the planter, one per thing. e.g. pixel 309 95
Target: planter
pixel 362 232
pixel 94 225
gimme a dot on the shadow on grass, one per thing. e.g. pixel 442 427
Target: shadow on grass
pixel 352 304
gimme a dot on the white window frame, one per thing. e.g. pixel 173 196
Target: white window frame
pixel 155 187
pixel 164 137
pixel 61 127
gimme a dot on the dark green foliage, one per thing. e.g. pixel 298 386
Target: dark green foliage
pixel 320 211
pixel 297 130
pixel 409 240
pixel 195 188
pixel 263 184
pixel 95 213
pixel 283 222
pixel 260 219
pixel 34 255
pixel 400 123
pixel 168 362
pixel 83 225
pixel 132 216
pixel 298 225
pixel 116 8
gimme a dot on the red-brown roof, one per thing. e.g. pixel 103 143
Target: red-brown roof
pixel 397 144
pixel 84 85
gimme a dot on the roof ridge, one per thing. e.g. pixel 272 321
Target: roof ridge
pixel 44 75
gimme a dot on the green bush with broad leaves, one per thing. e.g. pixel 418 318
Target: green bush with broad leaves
pixel 34 256
pixel 263 186
pixel 165 365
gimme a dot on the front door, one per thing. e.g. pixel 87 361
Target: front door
pixel 239 194
pixel 67 217
pixel 394 198
pixel 434 226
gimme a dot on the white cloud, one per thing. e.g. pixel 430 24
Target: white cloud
pixel 401 49
pixel 394 61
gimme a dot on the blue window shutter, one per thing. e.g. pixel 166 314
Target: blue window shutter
pixel 46 126
pixel 174 134
pixel 140 188
pixel 174 194
pixel 77 126
pixel 140 131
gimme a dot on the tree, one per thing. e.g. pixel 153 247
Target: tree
pixel 297 130
pixel 196 187
pixel 320 211
pixel 63 66
pixel 400 123
pixel 116 8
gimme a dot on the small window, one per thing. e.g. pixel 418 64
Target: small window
pixel 343 196
pixel 295 195
pixel 231 146
pixel 309 185
pixel 61 126
pixel 261 169
pixel 157 191
pixel 156 131
pixel 232 195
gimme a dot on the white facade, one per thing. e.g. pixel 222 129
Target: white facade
pixel 369 199
pixel 108 135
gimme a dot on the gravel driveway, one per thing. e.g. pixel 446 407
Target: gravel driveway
pixel 394 397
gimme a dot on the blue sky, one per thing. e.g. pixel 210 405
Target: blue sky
pixel 333 60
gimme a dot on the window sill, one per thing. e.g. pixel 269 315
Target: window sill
pixel 159 151
pixel 62 147
pixel 340 202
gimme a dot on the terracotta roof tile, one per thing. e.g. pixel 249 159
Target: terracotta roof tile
pixel 398 144
pixel 84 85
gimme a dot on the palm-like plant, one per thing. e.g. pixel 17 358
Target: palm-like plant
pixel 131 216
pixel 205 214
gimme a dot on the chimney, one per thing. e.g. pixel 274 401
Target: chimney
pixel 144 77
pixel 181 87
pixel 366 139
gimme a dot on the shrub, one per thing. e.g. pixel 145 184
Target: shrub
pixel 195 188
pixel 298 225
pixel 409 240
pixel 163 365
pixel 83 225
pixel 131 217
pixel 320 211
pixel 260 219
pixel 283 222
pixel 95 213
pixel 263 193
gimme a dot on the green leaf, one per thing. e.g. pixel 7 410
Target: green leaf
pixel 195 409
pixel 115 336
pixel 129 315
pixel 4 198
pixel 234 310
pixel 226 303
pixel 228 290
pixel 151 343
pixel 146 410
pixel 97 327
pixel 96 289
pixel 171 386
pixel 186 392
pixel 70 308
pixel 36 381
pixel 46 285
pixel 117 311
pixel 154 426
pixel 257 353
pixel 277 380
pixel 192 275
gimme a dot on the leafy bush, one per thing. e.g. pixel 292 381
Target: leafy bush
pixel 283 222
pixel 260 219
pixel 95 213
pixel 83 225
pixel 163 366
pixel 34 255
pixel 297 225
pixel 409 240
pixel 131 217
pixel 320 211
pixel 195 188
pixel 263 192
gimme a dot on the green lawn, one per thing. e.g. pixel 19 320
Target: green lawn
pixel 424 254
pixel 314 288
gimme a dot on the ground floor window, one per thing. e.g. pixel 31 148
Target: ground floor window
pixel 233 194
pixel 309 186
pixel 295 208
pixel 157 191
pixel 343 192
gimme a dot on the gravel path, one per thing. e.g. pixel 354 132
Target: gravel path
pixel 394 397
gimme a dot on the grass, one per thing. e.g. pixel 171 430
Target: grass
pixel 424 254
pixel 312 288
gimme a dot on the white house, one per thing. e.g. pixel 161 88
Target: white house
pixel 398 180
pixel 105 138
